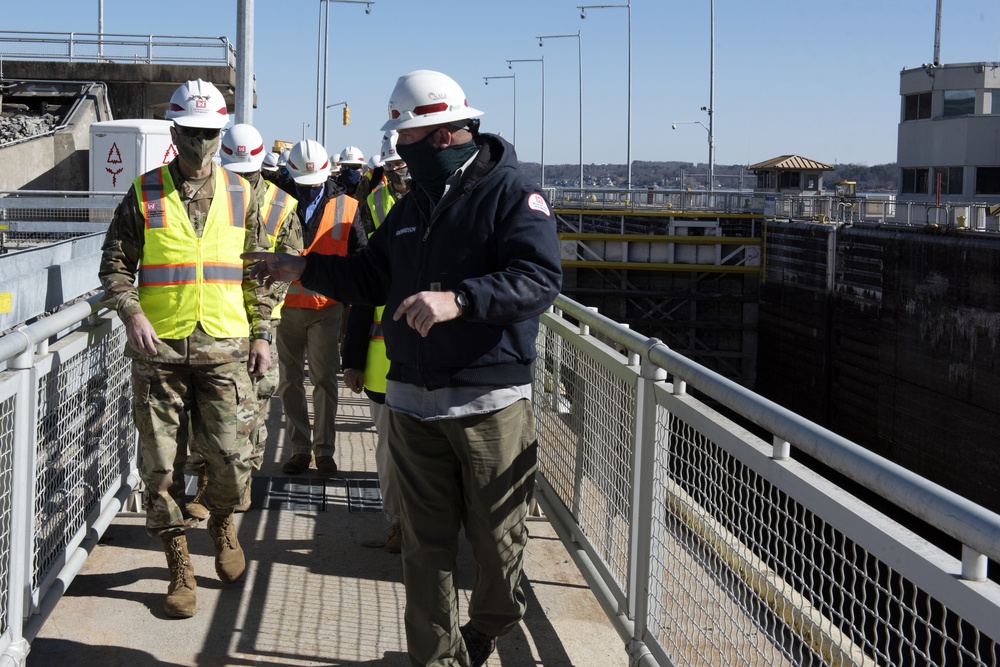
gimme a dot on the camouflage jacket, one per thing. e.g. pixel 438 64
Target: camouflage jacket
pixel 122 252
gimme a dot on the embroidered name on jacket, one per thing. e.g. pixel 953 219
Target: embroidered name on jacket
pixel 405 230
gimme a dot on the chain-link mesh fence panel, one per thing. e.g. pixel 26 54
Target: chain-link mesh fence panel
pixel 85 441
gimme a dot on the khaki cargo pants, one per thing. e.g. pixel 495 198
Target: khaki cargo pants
pixel 477 471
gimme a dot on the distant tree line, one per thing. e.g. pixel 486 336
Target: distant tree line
pixel 677 175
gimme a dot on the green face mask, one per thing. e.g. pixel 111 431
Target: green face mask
pixel 430 166
pixel 252 177
pixel 196 152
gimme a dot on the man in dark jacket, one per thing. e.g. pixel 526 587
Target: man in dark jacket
pixel 465 264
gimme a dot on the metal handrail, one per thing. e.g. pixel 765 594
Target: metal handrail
pixel 973 525
pixel 93 47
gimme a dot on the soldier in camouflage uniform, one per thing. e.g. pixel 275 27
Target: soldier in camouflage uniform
pixel 189 325
pixel 243 153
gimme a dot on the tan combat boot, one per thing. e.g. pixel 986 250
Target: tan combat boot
pixel 180 600
pixel 194 509
pixel 229 560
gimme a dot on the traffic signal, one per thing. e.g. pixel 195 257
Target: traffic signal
pixel 347 115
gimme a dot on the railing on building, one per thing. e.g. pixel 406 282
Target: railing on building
pixel 36 217
pixel 116 48
pixel 706 541
pixel 868 209
pixel 709 543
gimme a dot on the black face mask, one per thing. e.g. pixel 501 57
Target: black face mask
pixel 429 166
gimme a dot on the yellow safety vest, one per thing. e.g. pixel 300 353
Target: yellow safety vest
pixel 184 279
pixel 380 201
pixel 276 208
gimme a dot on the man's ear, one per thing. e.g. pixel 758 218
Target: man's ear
pixel 441 137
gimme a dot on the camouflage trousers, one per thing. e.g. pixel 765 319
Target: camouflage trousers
pixel 264 388
pixel 207 409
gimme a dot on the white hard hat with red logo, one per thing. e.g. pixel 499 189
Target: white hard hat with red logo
pixel 351 155
pixel 242 149
pixel 270 162
pixel 389 147
pixel 425 97
pixel 308 163
pixel 198 104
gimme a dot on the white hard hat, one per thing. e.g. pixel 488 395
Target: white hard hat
pixel 242 149
pixel 373 162
pixel 308 163
pixel 389 147
pixel 283 157
pixel 425 97
pixel 351 155
pixel 270 162
pixel 198 104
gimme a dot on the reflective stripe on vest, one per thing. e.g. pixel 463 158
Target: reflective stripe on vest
pixel 185 279
pixel 331 239
pixel 275 209
pixel 277 203
pixel 380 202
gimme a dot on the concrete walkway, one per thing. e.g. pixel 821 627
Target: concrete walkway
pixel 312 595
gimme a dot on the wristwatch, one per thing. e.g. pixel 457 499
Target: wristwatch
pixel 462 301
pixel 263 336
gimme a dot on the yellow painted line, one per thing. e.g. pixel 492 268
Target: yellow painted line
pixel 6 302
pixel 4 228
pixel 659 266
pixel 658 238
pixel 658 213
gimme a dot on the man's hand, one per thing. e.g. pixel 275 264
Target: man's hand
pixel 274 267
pixel 354 379
pixel 260 358
pixel 141 336
pixel 425 309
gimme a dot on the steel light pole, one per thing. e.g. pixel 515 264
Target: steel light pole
pixel 579 45
pixel 510 65
pixel 628 124
pixel 513 77
pixel 304 126
pixel 711 147
pixel 323 59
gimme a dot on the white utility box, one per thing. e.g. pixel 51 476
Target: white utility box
pixel 120 150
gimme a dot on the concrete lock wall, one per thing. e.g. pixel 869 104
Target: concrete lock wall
pixel 890 339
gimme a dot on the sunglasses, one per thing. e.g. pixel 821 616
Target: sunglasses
pixel 204 133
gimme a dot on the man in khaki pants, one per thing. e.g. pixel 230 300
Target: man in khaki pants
pixel 464 264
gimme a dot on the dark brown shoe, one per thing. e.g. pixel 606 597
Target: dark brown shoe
pixel 326 466
pixel 479 646
pixel 299 463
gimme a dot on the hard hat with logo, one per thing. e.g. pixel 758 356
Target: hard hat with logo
pixel 308 163
pixel 389 147
pixel 242 149
pixel 425 97
pixel 198 104
pixel 270 162
pixel 351 155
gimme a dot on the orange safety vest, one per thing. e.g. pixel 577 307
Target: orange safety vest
pixel 331 239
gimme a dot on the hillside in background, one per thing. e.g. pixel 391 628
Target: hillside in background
pixel 879 178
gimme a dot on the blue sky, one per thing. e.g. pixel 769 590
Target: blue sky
pixel 791 76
